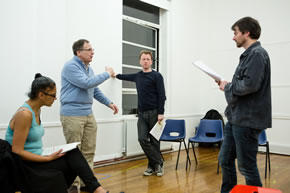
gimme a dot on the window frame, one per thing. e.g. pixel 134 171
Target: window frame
pixel 152 26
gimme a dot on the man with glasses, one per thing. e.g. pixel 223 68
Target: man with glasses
pixel 79 85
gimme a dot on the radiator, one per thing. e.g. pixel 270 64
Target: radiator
pixel 132 146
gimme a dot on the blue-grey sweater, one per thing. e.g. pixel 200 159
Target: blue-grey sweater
pixel 79 87
pixel 249 94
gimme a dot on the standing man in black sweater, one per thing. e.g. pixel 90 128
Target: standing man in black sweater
pixel 151 100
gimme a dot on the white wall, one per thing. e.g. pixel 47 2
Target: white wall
pixel 36 36
pixel 275 39
pixel 202 30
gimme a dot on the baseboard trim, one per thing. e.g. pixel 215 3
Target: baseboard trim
pixel 279 149
pixel 123 159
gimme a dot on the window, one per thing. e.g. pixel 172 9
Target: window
pixel 140 32
pixel 141 10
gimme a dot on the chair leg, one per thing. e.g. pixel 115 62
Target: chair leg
pixel 266 163
pixel 194 152
pixel 187 154
pixel 178 155
pixel 267 160
pixel 218 167
pixel 188 146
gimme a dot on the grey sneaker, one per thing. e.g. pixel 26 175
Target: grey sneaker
pixel 148 172
pixel 159 170
pixel 73 189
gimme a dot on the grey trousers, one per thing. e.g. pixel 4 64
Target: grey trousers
pixel 150 146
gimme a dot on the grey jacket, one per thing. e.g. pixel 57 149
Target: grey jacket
pixel 249 94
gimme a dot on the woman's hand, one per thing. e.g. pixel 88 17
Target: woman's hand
pixel 55 155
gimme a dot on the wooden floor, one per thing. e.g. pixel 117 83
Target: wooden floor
pixel 128 176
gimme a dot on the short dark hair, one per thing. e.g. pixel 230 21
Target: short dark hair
pixel 78 45
pixel 145 52
pixel 40 83
pixel 248 24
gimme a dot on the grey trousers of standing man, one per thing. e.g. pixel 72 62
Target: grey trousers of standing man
pixel 150 146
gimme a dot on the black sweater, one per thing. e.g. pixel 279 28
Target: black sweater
pixel 150 88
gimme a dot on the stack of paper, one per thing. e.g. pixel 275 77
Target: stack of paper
pixel 207 70
pixel 157 130
pixel 65 148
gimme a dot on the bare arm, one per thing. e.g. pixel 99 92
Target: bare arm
pixel 21 123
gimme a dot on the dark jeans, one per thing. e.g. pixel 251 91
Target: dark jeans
pixel 69 166
pixel 241 143
pixel 150 146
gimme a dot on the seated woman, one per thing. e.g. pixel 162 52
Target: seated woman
pixel 25 133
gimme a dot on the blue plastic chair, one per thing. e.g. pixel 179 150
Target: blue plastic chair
pixel 174 131
pixel 263 142
pixel 208 131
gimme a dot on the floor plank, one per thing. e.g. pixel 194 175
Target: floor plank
pixel 128 176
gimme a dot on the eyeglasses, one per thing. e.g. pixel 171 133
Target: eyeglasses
pixel 89 49
pixel 51 95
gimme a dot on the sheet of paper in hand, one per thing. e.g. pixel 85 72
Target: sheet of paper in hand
pixel 207 70
pixel 157 130
pixel 65 148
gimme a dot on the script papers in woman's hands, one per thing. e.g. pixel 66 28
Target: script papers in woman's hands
pixel 65 148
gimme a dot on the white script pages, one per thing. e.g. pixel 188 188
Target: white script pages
pixel 207 70
pixel 157 130
pixel 65 148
